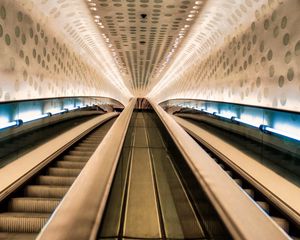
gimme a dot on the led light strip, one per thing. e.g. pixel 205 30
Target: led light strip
pixel 19 122
pixel 262 127
pixel 267 129
pixel 10 124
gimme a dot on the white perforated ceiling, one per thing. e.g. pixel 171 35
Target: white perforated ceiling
pixel 134 42
pixel 143 35
pixel 244 51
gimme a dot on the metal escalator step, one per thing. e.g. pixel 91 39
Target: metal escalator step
pixel 55 180
pixel 87 148
pixel 238 181
pixel 80 153
pixel 222 165
pixel 94 146
pixel 69 164
pixel 17 236
pixel 75 158
pixel 283 223
pixel 89 141
pixel 99 135
pixel 66 172
pixel 22 222
pixel 45 191
pixel 86 144
pixel 93 138
pixel 37 205
pixel 265 206
pixel 250 192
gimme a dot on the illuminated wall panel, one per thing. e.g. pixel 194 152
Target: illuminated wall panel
pixel 39 60
pixel 257 64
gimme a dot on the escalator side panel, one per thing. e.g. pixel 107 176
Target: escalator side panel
pixel 179 218
pixel 111 225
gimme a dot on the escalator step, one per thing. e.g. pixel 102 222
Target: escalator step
pixel 18 236
pixel 37 205
pixel 65 172
pixel 87 148
pixel 222 165
pixel 22 222
pixel 229 173
pixel 80 153
pixel 75 158
pixel 282 223
pixel 55 180
pixel 250 192
pixel 45 191
pixel 90 141
pixel 88 144
pixel 265 206
pixel 69 164
pixel 82 144
pixel 238 181
pixel 94 138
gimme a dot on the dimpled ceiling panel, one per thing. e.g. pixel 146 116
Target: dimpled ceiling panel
pixel 242 51
pixel 143 35
pixel 52 49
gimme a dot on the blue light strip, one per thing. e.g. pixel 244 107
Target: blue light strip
pixel 221 115
pixel 235 119
pixel 58 111
pixel 268 129
pixel 203 110
pixel 37 117
pixel 8 125
pixel 73 108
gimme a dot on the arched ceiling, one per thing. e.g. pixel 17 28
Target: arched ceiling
pixel 143 35
pixel 142 46
pixel 131 41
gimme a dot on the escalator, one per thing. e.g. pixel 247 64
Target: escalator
pixel 19 145
pixel 26 211
pixel 154 193
pixel 284 217
pixel 285 164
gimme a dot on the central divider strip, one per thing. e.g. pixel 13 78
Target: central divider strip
pixel 79 214
pixel 154 176
pixel 142 220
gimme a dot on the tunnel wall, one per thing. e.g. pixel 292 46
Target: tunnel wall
pixel 37 61
pixel 257 65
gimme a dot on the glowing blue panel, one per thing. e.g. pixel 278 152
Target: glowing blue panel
pixel 8 125
pixel 223 115
pixel 253 120
pixel 36 117
pixel 282 133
